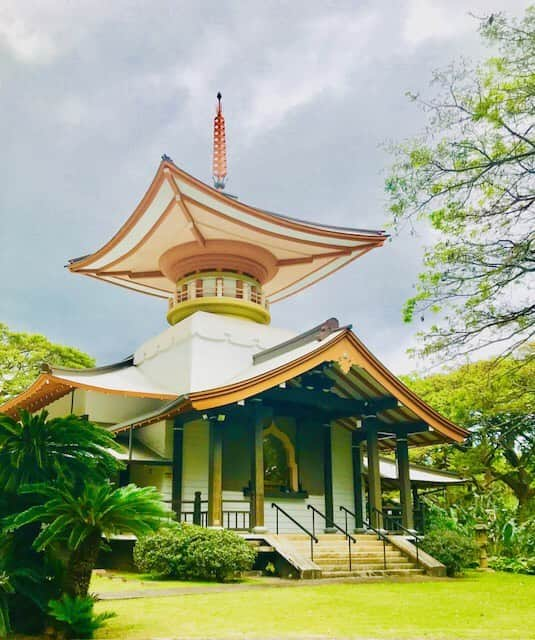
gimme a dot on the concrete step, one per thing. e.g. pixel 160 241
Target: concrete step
pixel 359 573
pixel 357 556
pixel 365 566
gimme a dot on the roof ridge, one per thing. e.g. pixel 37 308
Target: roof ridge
pixel 319 333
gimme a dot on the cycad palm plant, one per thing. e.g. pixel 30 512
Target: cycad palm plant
pixel 37 449
pixel 82 518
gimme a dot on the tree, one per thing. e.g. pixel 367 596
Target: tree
pixel 35 449
pixel 471 175
pixel 494 399
pixel 21 357
pixel 80 519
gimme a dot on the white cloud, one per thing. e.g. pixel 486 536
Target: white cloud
pixel 429 20
pixel 26 43
pixel 321 58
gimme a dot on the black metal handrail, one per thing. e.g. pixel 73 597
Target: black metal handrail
pixel 381 536
pixel 313 539
pixel 332 523
pixel 417 539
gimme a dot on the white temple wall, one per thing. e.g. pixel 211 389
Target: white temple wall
pixel 145 475
pixel 68 404
pixel 298 510
pixel 342 463
pixel 158 437
pixel 113 408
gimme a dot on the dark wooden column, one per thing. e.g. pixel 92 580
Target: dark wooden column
pixel 405 496
pixel 356 451
pixel 328 476
pixel 374 476
pixel 215 474
pixel 178 463
pixel 259 416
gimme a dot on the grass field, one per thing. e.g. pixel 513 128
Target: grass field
pixel 123 582
pixel 480 606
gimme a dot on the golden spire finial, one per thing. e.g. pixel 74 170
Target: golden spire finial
pixel 219 162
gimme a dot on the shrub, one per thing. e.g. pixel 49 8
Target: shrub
pixel 513 565
pixel 454 549
pixel 75 618
pixel 189 552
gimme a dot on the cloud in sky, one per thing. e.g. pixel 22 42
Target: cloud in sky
pixel 93 92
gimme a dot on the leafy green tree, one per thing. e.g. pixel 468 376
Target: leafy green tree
pixel 21 357
pixel 36 449
pixel 81 519
pixel 495 399
pixel 471 176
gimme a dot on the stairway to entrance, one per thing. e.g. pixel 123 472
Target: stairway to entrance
pixel 369 556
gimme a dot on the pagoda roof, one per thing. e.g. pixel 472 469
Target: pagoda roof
pixel 154 372
pixel 180 213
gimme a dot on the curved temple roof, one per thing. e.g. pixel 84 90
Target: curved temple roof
pixel 180 211
pixel 358 376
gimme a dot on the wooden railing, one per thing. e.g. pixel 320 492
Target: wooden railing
pixel 236 519
pixel 219 287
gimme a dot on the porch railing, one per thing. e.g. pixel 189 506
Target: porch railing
pixel 238 519
pixel 196 514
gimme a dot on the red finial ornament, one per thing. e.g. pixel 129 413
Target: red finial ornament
pixel 219 162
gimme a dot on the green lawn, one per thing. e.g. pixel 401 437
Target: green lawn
pixel 484 606
pixel 123 582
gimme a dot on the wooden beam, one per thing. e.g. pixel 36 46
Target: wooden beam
pixel 215 474
pixel 178 463
pixel 328 402
pixel 375 499
pixel 260 416
pixel 405 497
pixel 397 428
pixel 328 476
pixel 356 451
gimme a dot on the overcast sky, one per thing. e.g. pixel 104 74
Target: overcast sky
pixel 93 93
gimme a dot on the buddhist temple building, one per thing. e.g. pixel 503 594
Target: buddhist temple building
pixel 238 423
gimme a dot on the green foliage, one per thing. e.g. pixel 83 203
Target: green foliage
pixel 75 617
pixel 36 449
pixel 72 517
pixel 470 176
pixel 5 588
pixel 79 519
pixel 189 552
pixel 33 450
pixel 22 355
pixel 456 550
pixel 493 399
pixel 513 565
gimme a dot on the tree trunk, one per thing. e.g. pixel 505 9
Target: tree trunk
pixel 81 564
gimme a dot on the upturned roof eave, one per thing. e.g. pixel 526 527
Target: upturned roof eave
pixel 74 264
